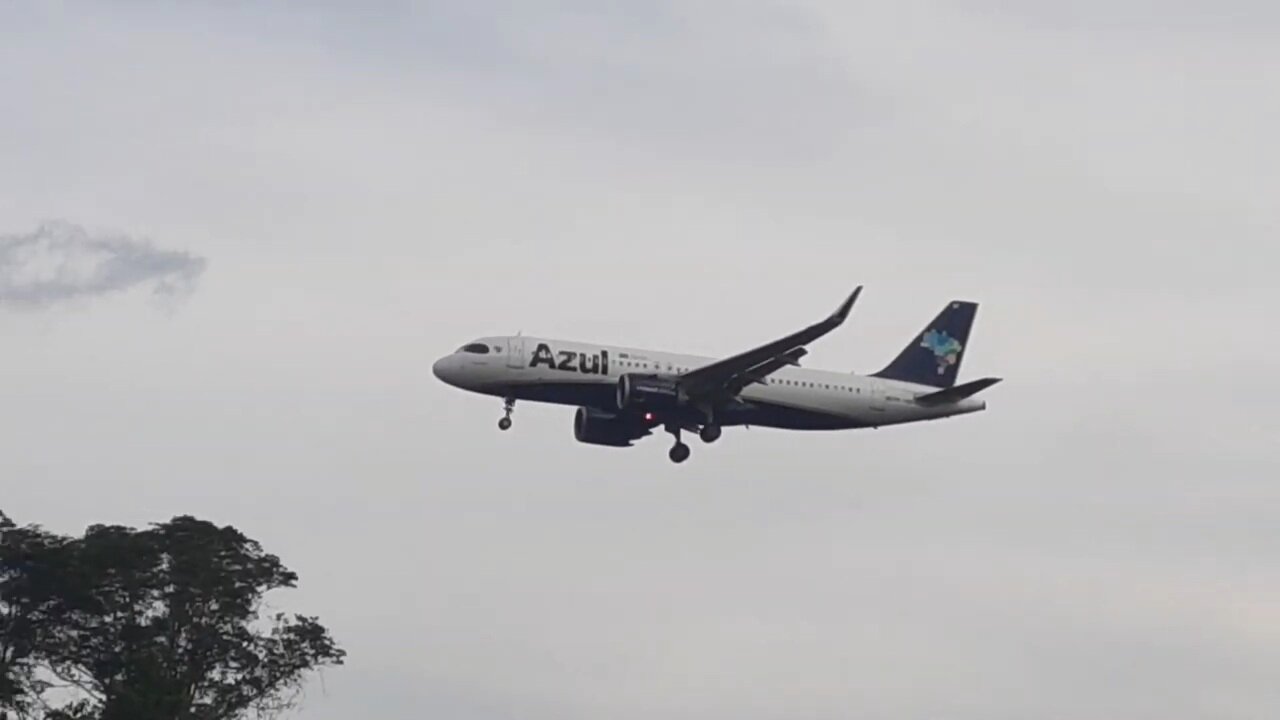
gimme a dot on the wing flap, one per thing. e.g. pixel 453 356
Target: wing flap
pixel 761 372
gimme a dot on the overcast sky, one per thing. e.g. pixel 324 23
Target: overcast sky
pixel 234 237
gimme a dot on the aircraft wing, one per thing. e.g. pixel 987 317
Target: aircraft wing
pixel 729 376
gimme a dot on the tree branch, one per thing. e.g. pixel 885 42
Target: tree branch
pixel 77 683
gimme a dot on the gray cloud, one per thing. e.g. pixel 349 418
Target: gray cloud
pixel 61 261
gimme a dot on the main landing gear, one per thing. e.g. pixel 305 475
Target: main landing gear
pixel 709 433
pixel 508 404
pixel 679 452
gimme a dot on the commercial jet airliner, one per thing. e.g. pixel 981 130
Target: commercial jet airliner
pixel 622 394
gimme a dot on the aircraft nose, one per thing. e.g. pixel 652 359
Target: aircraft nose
pixel 441 368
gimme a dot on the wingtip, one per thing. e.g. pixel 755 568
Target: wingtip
pixel 842 312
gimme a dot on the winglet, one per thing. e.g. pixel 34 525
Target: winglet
pixel 842 312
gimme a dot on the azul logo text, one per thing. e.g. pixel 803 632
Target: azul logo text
pixel 571 361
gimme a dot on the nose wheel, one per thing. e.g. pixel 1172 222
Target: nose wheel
pixel 709 433
pixel 508 405
pixel 679 452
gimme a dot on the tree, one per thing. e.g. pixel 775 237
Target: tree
pixel 165 623
pixel 27 585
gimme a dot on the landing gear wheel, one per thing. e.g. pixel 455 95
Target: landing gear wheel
pixel 679 452
pixel 508 404
pixel 709 433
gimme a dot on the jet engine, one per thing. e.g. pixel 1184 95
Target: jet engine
pixel 595 427
pixel 648 392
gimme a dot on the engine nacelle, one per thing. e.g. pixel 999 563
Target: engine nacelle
pixel 648 392
pixel 595 427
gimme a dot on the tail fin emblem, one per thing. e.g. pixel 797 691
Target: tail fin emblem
pixel 945 349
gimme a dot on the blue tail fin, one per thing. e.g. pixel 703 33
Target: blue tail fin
pixel 933 356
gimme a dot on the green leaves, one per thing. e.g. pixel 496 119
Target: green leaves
pixel 162 622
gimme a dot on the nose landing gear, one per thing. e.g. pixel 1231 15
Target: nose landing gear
pixel 509 405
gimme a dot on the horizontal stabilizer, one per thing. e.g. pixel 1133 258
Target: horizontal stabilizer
pixel 956 393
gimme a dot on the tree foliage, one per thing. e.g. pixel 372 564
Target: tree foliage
pixel 28 585
pixel 166 622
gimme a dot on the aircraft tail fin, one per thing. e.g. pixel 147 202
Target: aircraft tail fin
pixel 933 356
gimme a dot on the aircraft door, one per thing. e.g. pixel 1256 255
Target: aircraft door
pixel 876 399
pixel 515 352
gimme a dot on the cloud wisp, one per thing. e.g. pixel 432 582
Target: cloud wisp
pixel 60 261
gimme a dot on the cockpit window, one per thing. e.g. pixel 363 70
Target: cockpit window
pixel 476 349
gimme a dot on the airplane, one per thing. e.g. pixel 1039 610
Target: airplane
pixel 623 394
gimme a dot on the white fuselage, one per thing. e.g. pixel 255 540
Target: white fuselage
pixel 586 374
